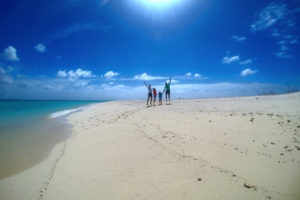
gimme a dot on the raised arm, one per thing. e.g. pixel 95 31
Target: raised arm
pixel 170 80
pixel 146 84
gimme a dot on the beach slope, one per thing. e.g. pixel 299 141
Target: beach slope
pixel 225 148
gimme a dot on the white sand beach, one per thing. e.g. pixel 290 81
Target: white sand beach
pixel 225 148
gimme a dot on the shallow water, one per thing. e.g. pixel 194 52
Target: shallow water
pixel 30 129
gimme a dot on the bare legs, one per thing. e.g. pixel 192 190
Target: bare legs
pixel 149 98
pixel 167 97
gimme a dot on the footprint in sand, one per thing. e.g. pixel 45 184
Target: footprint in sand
pixel 252 119
pixel 246 185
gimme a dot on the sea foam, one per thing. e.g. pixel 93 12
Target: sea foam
pixel 64 112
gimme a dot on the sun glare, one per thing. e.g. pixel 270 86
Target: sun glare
pixel 158 4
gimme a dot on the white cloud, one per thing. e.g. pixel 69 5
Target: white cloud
pixel 62 73
pixel 111 74
pixel 227 60
pixel 45 88
pixel 197 75
pixel 247 72
pixel 188 74
pixel 147 77
pixel 10 53
pixel 173 81
pixel 246 62
pixel 238 38
pixel 72 75
pixel 48 89
pixel 269 16
pixel 40 48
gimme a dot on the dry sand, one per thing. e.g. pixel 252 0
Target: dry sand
pixel 230 148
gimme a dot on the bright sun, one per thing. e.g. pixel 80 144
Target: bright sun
pixel 158 3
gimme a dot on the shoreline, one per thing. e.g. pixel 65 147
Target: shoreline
pixel 123 150
pixel 38 171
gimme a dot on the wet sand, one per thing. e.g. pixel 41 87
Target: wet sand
pixel 28 156
pixel 25 145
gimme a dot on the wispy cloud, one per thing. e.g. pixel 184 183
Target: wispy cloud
pixel 246 62
pixel 40 48
pixel 269 16
pixel 238 38
pixel 247 72
pixel 10 53
pixel 281 21
pixel 282 54
pixel 228 60
pixel 110 74
pixel 147 77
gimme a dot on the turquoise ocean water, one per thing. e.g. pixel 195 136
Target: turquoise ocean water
pixel 13 112
pixel 30 129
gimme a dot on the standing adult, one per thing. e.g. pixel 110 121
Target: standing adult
pixel 149 94
pixel 168 90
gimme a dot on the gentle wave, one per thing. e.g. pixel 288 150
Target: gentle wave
pixel 64 112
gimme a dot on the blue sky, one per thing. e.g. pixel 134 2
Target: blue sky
pixel 105 49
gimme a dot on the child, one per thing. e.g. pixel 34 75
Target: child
pixel 160 98
pixel 154 96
